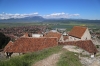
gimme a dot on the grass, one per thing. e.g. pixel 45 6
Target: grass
pixel 69 59
pixel 30 58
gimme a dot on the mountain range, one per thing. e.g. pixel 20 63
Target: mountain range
pixel 41 19
pixel 26 19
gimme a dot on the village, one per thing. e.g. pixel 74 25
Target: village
pixel 79 39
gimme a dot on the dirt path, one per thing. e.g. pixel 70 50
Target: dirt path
pixel 49 61
pixel 95 63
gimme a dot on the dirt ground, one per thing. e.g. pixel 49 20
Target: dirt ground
pixel 53 59
pixel 49 61
pixel 2 56
pixel 86 61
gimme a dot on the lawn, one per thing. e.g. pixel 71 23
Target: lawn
pixel 69 59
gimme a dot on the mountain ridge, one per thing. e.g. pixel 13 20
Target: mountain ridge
pixel 41 19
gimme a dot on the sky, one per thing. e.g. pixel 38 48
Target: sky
pixel 78 9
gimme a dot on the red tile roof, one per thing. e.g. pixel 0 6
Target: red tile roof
pixel 53 34
pixel 8 46
pixel 86 45
pixel 24 45
pixel 77 31
pixel 65 37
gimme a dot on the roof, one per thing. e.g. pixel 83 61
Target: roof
pixel 25 45
pixel 85 44
pixel 53 34
pixel 65 37
pixel 8 46
pixel 77 31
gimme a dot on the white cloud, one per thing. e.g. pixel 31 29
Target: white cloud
pixel 61 15
pixel 57 14
pixel 8 16
pixel 75 15
pixel 53 15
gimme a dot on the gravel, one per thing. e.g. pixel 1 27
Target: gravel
pixel 90 61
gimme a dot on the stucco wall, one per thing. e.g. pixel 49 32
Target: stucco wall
pixel 71 38
pixel 86 35
pixel 37 35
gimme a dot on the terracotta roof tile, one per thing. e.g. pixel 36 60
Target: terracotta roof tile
pixel 77 31
pixel 86 45
pixel 8 46
pixel 53 34
pixel 65 37
pixel 24 45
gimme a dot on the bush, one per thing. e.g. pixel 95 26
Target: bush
pixel 97 46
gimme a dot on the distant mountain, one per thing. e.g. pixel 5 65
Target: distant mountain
pixel 26 19
pixel 41 19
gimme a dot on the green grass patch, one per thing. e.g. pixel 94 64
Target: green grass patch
pixel 30 58
pixel 69 59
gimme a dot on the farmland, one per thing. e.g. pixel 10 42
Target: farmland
pixel 67 24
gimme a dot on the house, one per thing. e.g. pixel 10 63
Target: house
pixel 79 36
pixel 61 30
pixel 65 38
pixel 53 34
pixel 37 35
pixel 8 46
pixel 79 33
pixel 10 43
pixel 30 44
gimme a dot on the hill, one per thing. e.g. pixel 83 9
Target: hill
pixel 26 19
pixel 43 20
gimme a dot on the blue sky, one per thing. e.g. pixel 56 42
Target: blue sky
pixel 85 9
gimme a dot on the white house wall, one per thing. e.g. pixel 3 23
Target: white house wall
pixel 61 38
pixel 86 35
pixel 71 38
pixel 37 35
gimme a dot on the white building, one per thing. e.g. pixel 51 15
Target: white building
pixel 79 33
pixel 37 35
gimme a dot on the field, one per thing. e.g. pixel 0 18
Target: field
pixel 51 25
pixel 66 24
pixel 5 25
